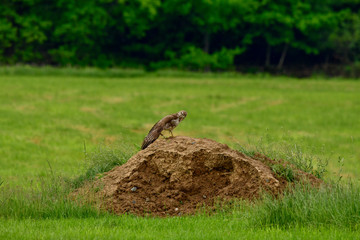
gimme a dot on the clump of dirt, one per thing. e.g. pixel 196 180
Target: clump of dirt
pixel 177 175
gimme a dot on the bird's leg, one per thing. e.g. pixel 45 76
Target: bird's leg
pixel 162 135
pixel 171 133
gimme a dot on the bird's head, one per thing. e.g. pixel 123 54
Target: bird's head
pixel 182 114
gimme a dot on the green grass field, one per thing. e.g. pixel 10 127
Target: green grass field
pixel 47 116
pixel 174 228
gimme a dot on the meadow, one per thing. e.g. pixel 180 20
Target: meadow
pixel 50 119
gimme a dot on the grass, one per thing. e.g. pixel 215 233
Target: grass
pixel 102 160
pixel 333 205
pixel 305 213
pixel 173 228
pixel 50 196
pixel 45 199
pixel 287 157
pixel 48 116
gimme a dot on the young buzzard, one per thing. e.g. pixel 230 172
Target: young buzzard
pixel 166 123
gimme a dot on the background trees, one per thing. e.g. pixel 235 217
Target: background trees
pixel 192 34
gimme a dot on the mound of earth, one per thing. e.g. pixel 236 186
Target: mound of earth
pixel 177 175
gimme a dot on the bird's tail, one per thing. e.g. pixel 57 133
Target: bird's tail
pixel 146 143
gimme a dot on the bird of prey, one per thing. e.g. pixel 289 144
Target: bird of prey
pixel 168 122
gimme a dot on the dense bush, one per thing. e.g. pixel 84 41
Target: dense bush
pixel 192 34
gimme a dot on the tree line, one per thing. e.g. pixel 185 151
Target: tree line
pixel 190 34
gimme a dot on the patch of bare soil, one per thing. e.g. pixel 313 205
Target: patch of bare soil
pixel 178 175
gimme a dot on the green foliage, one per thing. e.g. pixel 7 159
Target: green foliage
pixel 106 33
pixel 197 59
pixel 345 39
pixel 7 36
pixel 224 59
pixel 353 70
pixel 23 30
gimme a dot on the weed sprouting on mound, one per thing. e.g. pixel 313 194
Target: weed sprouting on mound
pixel 285 156
pixel 102 160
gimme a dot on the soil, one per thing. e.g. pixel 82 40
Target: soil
pixel 179 175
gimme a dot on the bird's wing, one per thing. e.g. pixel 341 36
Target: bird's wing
pixel 156 130
pixel 163 121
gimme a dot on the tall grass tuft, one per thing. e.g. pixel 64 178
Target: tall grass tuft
pixel 333 204
pixel 103 160
pixel 45 199
pixel 50 197
pixel 286 151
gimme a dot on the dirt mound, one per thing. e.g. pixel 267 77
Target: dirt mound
pixel 175 176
